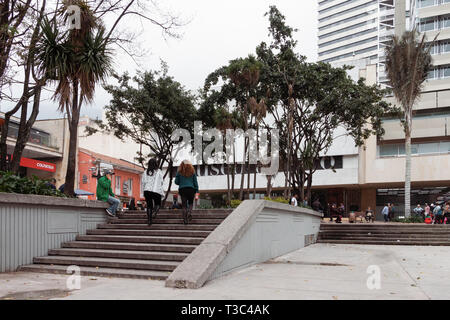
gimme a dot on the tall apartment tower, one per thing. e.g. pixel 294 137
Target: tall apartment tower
pixel 348 30
pixel 356 32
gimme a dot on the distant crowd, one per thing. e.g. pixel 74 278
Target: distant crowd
pixel 438 213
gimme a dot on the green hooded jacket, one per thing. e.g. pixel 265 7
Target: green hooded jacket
pixel 104 189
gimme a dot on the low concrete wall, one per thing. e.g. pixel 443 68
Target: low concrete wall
pixel 30 225
pixel 255 232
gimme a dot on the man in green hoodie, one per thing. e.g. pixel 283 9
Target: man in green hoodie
pixel 104 193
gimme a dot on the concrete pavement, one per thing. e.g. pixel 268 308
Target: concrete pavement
pixel 321 271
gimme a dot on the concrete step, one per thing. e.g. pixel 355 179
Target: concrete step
pixel 384 242
pixel 178 211
pixel 404 226
pixel 130 246
pixel 158 227
pixel 108 263
pixel 176 215
pixel 356 238
pixel 383 235
pixel 167 221
pixel 140 239
pixel 119 254
pixel 381 232
pixel 99 272
pixel 164 233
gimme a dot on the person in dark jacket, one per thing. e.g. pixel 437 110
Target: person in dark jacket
pixel 104 193
pixel 186 179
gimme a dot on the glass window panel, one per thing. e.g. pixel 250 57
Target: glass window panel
pixel 414 149
pixel 389 150
pixel 435 49
pixel 426 3
pixel 401 150
pixel 427 148
pixel 431 74
pixel 445 146
pixel 446 22
pixel 445 72
pixel 427 25
pixel 445 47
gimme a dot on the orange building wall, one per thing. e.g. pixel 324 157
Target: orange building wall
pixel 85 162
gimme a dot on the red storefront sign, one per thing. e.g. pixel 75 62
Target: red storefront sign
pixel 39 165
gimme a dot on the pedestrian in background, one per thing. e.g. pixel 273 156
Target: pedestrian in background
pixel 385 213
pixel 294 201
pixel 186 180
pixel 153 181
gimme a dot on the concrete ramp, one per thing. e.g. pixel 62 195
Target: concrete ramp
pixel 255 232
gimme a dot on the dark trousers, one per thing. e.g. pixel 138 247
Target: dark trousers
pixel 187 196
pixel 153 199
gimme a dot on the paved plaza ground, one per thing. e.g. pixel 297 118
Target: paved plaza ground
pixel 321 271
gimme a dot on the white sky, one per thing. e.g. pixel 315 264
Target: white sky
pixel 219 31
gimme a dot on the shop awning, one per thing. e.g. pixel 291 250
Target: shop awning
pixel 37 164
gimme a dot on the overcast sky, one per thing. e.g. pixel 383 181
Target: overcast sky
pixel 218 31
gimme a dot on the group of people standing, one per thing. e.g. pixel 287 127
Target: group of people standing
pixel 437 213
pixel 388 212
pixel 152 181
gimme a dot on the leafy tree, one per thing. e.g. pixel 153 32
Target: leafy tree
pixel 76 61
pixel 408 61
pixel 239 86
pixel 309 101
pixel 20 31
pixel 34 37
pixel 79 59
pixel 148 109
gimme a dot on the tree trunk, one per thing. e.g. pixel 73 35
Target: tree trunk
pixel 69 188
pixel 408 174
pixel 170 168
pixel 228 184
pixel 241 191
pixel 24 131
pixel 5 128
pixel 309 188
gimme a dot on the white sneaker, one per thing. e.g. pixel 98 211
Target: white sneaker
pixel 110 213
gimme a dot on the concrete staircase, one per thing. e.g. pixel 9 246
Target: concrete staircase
pixel 127 247
pixel 385 234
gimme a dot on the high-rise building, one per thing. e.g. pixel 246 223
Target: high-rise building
pixel 356 32
pixel 348 30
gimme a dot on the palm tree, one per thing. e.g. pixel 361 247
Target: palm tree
pixel 244 74
pixel 408 62
pixel 76 60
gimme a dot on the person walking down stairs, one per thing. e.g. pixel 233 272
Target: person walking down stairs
pixel 186 179
pixel 153 180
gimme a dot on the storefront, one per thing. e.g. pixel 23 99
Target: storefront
pixel 126 181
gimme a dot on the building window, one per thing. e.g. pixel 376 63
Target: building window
pixel 85 179
pixel 426 3
pixel 354 35
pixel 427 24
pixel 364 14
pixel 348 10
pixel 358 25
pixel 398 150
pixel 117 191
pixel 351 45
pixel 130 187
